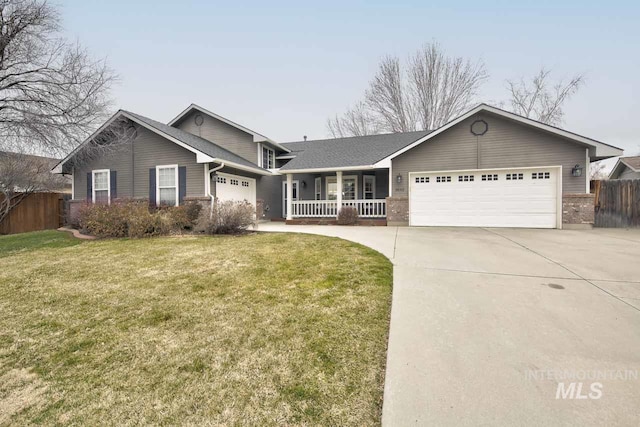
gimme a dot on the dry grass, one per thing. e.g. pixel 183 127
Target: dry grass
pixel 265 329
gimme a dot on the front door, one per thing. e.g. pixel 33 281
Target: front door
pixel 284 196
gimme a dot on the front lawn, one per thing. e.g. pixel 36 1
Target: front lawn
pixel 264 329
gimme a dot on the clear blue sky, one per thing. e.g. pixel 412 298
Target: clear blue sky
pixel 281 68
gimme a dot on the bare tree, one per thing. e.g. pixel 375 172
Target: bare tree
pixel 434 89
pixel 389 98
pixel 356 121
pixel 443 88
pixel 540 99
pixel 597 171
pixel 21 175
pixel 52 94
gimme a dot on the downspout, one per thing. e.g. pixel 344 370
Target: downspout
pixel 209 188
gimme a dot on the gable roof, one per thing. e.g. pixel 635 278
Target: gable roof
pixel 631 162
pixel 357 152
pixel 597 150
pixel 257 137
pixel 205 151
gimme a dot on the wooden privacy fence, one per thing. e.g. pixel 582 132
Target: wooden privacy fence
pixel 38 211
pixel 617 203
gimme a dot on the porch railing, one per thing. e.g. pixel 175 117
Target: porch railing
pixel 328 208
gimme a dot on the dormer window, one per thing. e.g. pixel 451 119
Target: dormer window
pixel 268 158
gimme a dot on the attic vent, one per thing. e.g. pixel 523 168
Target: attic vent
pixel 198 119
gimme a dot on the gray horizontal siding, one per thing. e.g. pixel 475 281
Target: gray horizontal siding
pixel 222 134
pixel 506 144
pixel 132 163
pixel 628 174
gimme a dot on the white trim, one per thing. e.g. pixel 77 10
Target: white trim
pixel 364 186
pixel 286 157
pixel 289 209
pixel 177 183
pixel 200 156
pixel 344 169
pixel 296 184
pixel 273 152
pixel 256 136
pixel 330 179
pixel 93 184
pixel 558 184
pixel 614 174
pixel 259 154
pixel 315 188
pixel 601 149
pixel 207 180
pixel 73 183
pixel 587 173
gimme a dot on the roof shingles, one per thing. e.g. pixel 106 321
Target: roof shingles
pixel 347 152
pixel 194 141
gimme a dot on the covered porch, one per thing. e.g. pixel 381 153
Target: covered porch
pixel 324 194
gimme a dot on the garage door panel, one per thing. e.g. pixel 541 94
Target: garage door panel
pixel 506 198
pixel 235 188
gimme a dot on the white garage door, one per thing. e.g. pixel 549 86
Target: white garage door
pixel 485 198
pixel 235 187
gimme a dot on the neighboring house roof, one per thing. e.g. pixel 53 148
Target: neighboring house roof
pixel 632 163
pixel 597 150
pixel 206 151
pixel 257 137
pixel 46 162
pixel 349 153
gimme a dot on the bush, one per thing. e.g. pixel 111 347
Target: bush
pixel 134 219
pixel 228 218
pixel 347 216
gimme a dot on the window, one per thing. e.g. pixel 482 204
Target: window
pixel 349 187
pixel 490 177
pixel 245 183
pixel 268 158
pixel 369 183
pixel 101 186
pixel 422 179
pixel 221 179
pixel 443 179
pixel 540 175
pixel 514 176
pixel 466 178
pixel 318 188
pixel 233 181
pixel 167 185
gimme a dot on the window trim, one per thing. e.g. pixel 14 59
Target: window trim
pixel 177 184
pixel 373 186
pixel 93 184
pixel 273 156
pixel 317 189
pixel 334 180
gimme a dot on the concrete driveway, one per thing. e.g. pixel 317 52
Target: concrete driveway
pixel 486 323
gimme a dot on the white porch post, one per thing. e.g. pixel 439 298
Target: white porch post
pixel 289 196
pixel 338 192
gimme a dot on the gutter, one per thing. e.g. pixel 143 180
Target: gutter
pixel 213 199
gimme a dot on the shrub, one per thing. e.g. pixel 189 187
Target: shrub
pixel 134 219
pixel 228 217
pixel 347 216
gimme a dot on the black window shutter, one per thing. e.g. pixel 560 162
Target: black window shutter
pixel 182 183
pixel 113 177
pixel 152 186
pixel 89 187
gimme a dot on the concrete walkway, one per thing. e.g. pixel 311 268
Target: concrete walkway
pixel 486 323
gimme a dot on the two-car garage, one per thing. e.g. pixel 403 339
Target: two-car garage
pixel 524 197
